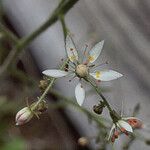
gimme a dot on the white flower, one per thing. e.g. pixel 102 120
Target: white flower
pixel 134 122
pixel 124 125
pixel 23 116
pixel 82 69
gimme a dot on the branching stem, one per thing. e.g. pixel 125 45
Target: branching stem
pixel 62 8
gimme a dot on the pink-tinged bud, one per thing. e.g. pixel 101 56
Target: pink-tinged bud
pixel 83 141
pixel 23 116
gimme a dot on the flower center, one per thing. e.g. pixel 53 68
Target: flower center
pixel 82 70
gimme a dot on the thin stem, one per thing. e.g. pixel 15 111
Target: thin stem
pixel 8 33
pixel 64 27
pixel 72 102
pixel 62 8
pixel 101 95
pixel 48 88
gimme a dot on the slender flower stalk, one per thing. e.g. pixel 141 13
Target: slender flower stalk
pixel 41 98
pixel 101 95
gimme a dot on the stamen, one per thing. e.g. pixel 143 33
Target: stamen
pixel 71 49
pixel 85 53
pixel 122 130
pixel 73 67
pixel 73 63
pixel 98 74
pixel 113 139
pixel 105 63
pixel 116 134
pixel 91 58
pixel 72 79
pixel 91 65
pixel 73 56
pixel 122 111
pixel 86 63
pixel 66 68
pixel 85 50
pixel 98 82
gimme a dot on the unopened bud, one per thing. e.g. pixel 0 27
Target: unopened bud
pixel 83 141
pixel 98 109
pixel 43 84
pixel 23 116
pixel 42 107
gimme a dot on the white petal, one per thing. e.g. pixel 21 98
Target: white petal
pixel 95 51
pixel 55 73
pixel 127 118
pixel 111 130
pixel 136 122
pixel 71 49
pixel 79 93
pixel 106 75
pixel 125 125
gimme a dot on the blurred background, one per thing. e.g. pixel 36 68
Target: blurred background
pixel 125 27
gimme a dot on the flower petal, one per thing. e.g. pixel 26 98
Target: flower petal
pixel 95 51
pixel 106 75
pixel 127 118
pixel 111 130
pixel 55 73
pixel 134 122
pixel 71 49
pixel 79 93
pixel 125 125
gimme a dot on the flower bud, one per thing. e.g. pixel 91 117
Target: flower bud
pixel 98 109
pixel 43 84
pixel 23 116
pixel 83 141
pixel 41 107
